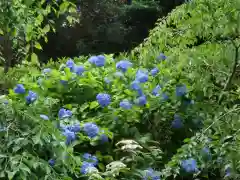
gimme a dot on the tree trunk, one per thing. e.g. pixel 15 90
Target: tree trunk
pixel 7 52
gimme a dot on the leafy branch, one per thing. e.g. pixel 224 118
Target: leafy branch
pixel 234 67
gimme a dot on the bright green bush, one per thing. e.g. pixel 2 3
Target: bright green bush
pixel 188 128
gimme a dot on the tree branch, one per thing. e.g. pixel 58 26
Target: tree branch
pixel 229 80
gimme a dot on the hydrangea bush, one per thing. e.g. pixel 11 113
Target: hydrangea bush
pixel 156 115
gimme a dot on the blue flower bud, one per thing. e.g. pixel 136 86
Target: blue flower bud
pixel 51 162
pixel 161 57
pixel 141 76
pixel 181 90
pixel 177 122
pixel 19 89
pixel 31 97
pixel 64 113
pixel 154 71
pixel 79 70
pixel 156 90
pixel 70 64
pixel 125 104
pixel 142 100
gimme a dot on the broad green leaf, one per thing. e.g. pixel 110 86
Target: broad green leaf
pixel 11 174
pixel 34 59
pixel 38 46
pixel 46 29
pixel 93 104
pixel 63 7
pixel 24 168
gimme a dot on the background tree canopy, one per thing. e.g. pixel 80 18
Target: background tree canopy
pixel 107 26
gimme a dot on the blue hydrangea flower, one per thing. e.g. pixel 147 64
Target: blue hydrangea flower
pixel 47 70
pixel 165 96
pixel 70 136
pixel 85 166
pixel 123 65
pixel 44 117
pixel 150 174
pixel 161 57
pixel 189 165
pixel 79 70
pixel 92 59
pixel 100 61
pixel 228 172
pixel 31 97
pixel 181 90
pixel 177 122
pixel 104 138
pixel 135 85
pixel 156 90
pixel 64 113
pixel 142 100
pixel 70 64
pixel 90 158
pixel 74 128
pixel 19 89
pixel 107 81
pixel 141 76
pixel 154 71
pixel 125 104
pixel 51 162
pixel 140 92
pixel 91 129
pixel 103 99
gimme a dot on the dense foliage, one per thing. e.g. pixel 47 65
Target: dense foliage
pixel 168 110
pixel 24 23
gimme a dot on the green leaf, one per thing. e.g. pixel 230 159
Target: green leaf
pixel 63 7
pixel 39 19
pixel 101 166
pixel 34 59
pixel 24 168
pixel 45 39
pixel 11 174
pixel 38 46
pixel 70 19
pixel 1 32
pixel 93 104
pixel 46 29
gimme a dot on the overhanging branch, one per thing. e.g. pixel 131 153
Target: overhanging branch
pixel 234 67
